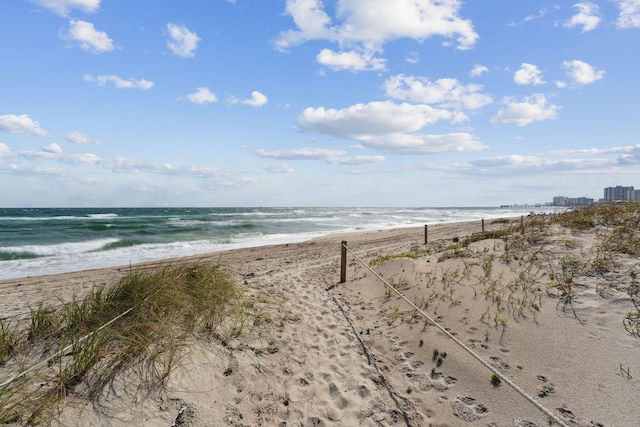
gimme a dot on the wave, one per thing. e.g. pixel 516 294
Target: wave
pixel 103 215
pixel 69 248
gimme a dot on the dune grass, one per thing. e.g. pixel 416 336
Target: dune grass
pixel 141 326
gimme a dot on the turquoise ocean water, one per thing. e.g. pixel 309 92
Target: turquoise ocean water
pixel 45 241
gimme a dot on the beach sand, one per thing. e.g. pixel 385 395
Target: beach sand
pixel 355 353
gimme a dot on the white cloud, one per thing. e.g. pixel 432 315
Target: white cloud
pixel 581 72
pixel 629 16
pixel 5 151
pixel 202 95
pixel 88 37
pixel 515 164
pixel 478 70
pixel 533 109
pixel 54 152
pixel 21 124
pixel 257 100
pixel 52 148
pixel 621 149
pixel 588 17
pixel 412 58
pixel 278 168
pixel 446 92
pixel 329 156
pixel 528 74
pixel 388 127
pixel 80 138
pixel 301 154
pixel 374 118
pixel 423 144
pixel 529 18
pixel 63 7
pixel 182 41
pixel 120 83
pixel 351 61
pixel 366 25
pixel 124 165
pixel 541 13
pixel 358 160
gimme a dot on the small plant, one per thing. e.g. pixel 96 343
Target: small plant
pixel 421 342
pixel 436 353
pixel 385 258
pixel 439 360
pixel 8 340
pixel 495 380
pixel 543 391
pixel 409 390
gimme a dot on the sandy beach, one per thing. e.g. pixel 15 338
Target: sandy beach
pixel 356 353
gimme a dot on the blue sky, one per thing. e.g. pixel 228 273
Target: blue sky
pixel 316 103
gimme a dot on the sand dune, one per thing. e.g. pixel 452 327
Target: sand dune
pixel 355 353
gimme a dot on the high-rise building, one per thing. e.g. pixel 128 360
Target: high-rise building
pixel 619 193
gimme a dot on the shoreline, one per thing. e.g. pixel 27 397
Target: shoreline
pixel 263 242
pixel 353 354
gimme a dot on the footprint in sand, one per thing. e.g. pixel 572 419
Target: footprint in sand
pixel 467 409
pixel 335 412
pixel 436 381
pixel 499 363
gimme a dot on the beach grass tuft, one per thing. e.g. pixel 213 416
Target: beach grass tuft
pixel 141 325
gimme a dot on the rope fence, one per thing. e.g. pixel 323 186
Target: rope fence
pixel 345 249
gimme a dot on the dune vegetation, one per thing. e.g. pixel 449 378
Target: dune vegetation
pixel 141 326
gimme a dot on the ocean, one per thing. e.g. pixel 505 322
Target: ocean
pixel 46 241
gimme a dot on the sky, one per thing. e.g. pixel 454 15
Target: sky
pixel 114 103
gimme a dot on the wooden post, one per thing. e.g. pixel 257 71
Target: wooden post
pixel 426 233
pixel 522 220
pixel 343 262
pixel 483 225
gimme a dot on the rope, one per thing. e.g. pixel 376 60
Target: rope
pixel 524 394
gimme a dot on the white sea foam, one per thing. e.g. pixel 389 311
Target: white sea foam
pixel 60 249
pixel 158 234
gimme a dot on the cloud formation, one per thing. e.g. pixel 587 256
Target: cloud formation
pixel 528 74
pixel 588 17
pixel 21 124
pixel 581 72
pixel 278 168
pixel 63 7
pixel 629 16
pixel 182 41
pixel 328 156
pixel 350 61
pixel 202 95
pixel 257 99
pixel 388 127
pixel 533 109
pixel 80 138
pixel 5 151
pixel 118 82
pixel 478 70
pixel 446 92
pixel 362 27
pixel 88 37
